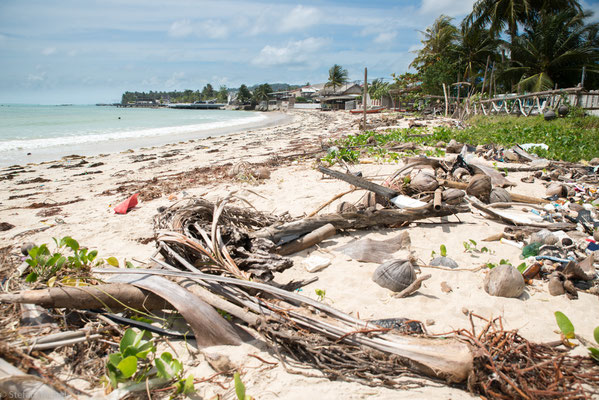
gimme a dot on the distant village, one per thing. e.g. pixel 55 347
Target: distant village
pixel 346 96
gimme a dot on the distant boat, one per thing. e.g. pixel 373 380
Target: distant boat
pixel 370 111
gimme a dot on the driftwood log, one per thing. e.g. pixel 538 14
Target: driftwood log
pixel 309 240
pixel 356 220
pixel 360 182
pixel 115 297
pixel 520 198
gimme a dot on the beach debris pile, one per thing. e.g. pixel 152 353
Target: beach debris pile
pixel 218 271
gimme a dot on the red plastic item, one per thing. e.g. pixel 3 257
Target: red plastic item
pixel 126 205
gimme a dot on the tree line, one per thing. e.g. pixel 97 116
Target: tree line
pixel 517 45
pixel 244 95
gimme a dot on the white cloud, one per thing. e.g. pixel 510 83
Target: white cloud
pixel 49 51
pixel 294 53
pixel 180 28
pixel 300 18
pixel 451 8
pixel 37 77
pixel 214 29
pixel 385 37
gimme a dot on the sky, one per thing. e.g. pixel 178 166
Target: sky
pixel 85 52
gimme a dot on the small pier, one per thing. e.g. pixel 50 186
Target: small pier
pixel 197 106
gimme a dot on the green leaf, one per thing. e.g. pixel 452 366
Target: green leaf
pixel 112 261
pixel 61 261
pixel 239 387
pixel 92 255
pixel 128 366
pixel 32 277
pixel 594 353
pixel 596 334
pixel 114 359
pixel 443 250
pixel 52 260
pixel 188 387
pixel 472 241
pixel 127 339
pixel 564 325
pixel 129 264
pixel 72 243
pixel 521 268
pixel 32 263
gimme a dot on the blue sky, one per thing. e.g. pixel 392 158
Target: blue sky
pixel 73 51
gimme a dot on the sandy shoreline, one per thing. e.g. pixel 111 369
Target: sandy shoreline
pixel 53 153
pixel 79 202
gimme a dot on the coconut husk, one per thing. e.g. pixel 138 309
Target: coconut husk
pixel 424 182
pixel 480 187
pixel 557 189
pixel 500 195
pixel 453 196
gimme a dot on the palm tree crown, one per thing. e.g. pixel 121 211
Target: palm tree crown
pixel 337 77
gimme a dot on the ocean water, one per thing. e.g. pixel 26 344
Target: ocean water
pixel 50 132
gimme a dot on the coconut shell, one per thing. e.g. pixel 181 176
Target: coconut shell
pixel 500 195
pixel 424 182
pixel 460 172
pixel 549 115
pixel 480 187
pixel 563 110
pixel 395 275
pixel 454 147
pixel 557 189
pixel 555 286
pixel 453 196
pixel 504 281
pixel 444 262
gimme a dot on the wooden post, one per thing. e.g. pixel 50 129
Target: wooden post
pixel 482 90
pixel 446 99
pixel 365 94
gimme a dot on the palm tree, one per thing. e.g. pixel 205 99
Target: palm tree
pixel 378 89
pixel 337 77
pixel 474 45
pixel 439 39
pixel 553 49
pixel 261 93
pixel 500 14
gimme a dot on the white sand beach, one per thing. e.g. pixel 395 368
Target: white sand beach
pixel 76 197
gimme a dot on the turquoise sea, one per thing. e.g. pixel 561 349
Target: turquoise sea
pixel 49 132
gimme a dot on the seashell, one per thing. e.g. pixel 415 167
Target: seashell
pixel 395 275
pixel 261 173
pixel 511 155
pixel 500 195
pixel 459 172
pixel 563 110
pixel 480 187
pixel 345 207
pixel 444 262
pixel 453 196
pixel 453 147
pixel 504 281
pixel 555 286
pixel 549 115
pixel 424 182
pixel 543 236
pixel 26 247
pixel 594 161
pixel 557 189
pixel 573 271
pixel 571 290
